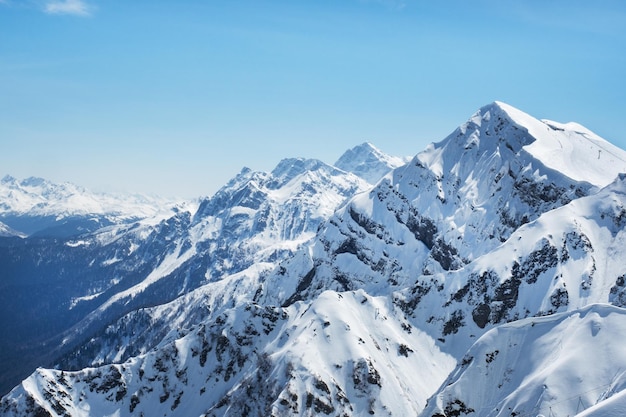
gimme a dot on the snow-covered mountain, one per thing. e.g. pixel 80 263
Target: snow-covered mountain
pixel 560 365
pixel 368 162
pixel 34 206
pixel 453 203
pixel 248 226
pixel 87 282
pixel 254 360
pixel 473 280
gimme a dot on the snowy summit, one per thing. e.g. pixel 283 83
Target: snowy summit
pixel 475 279
pixel 368 162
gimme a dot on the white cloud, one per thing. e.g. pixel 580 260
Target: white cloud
pixel 73 7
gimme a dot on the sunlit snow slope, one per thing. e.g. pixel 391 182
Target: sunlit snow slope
pixel 63 295
pixel 555 365
pixel 477 279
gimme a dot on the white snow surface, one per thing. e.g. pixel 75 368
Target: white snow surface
pixel 295 359
pixel 569 148
pixel 369 162
pixel 555 365
pixel 483 274
pixel 39 197
pixel 254 221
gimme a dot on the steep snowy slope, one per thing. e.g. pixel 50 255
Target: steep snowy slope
pixel 456 201
pixel 49 284
pixel 568 258
pixel 236 236
pixel 253 222
pixel 556 365
pixel 36 206
pixel 338 355
pixel 266 213
pixel 311 304
pixel 615 406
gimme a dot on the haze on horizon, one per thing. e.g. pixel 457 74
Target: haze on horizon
pixel 174 98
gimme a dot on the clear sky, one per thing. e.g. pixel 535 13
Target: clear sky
pixel 175 97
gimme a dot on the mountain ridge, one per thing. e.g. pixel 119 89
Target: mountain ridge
pixel 385 304
pixel 35 206
pixel 255 219
pixel 531 363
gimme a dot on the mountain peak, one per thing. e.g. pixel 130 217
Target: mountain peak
pixel 367 147
pixel 368 162
pixel 503 106
pixel 289 168
pixel 235 311
pixel 7 179
pixel 569 148
pixel 33 182
pixel 499 110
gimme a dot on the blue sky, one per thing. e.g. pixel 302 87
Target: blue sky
pixel 175 97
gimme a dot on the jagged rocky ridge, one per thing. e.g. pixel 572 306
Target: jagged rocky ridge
pixel 509 223
pixel 84 283
pixel 235 237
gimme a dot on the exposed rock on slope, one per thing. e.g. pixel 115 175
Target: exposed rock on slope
pixel 85 283
pixel 511 229
pixel 456 201
pixel 541 366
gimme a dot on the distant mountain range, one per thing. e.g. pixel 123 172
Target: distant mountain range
pixel 477 278
pixel 36 207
